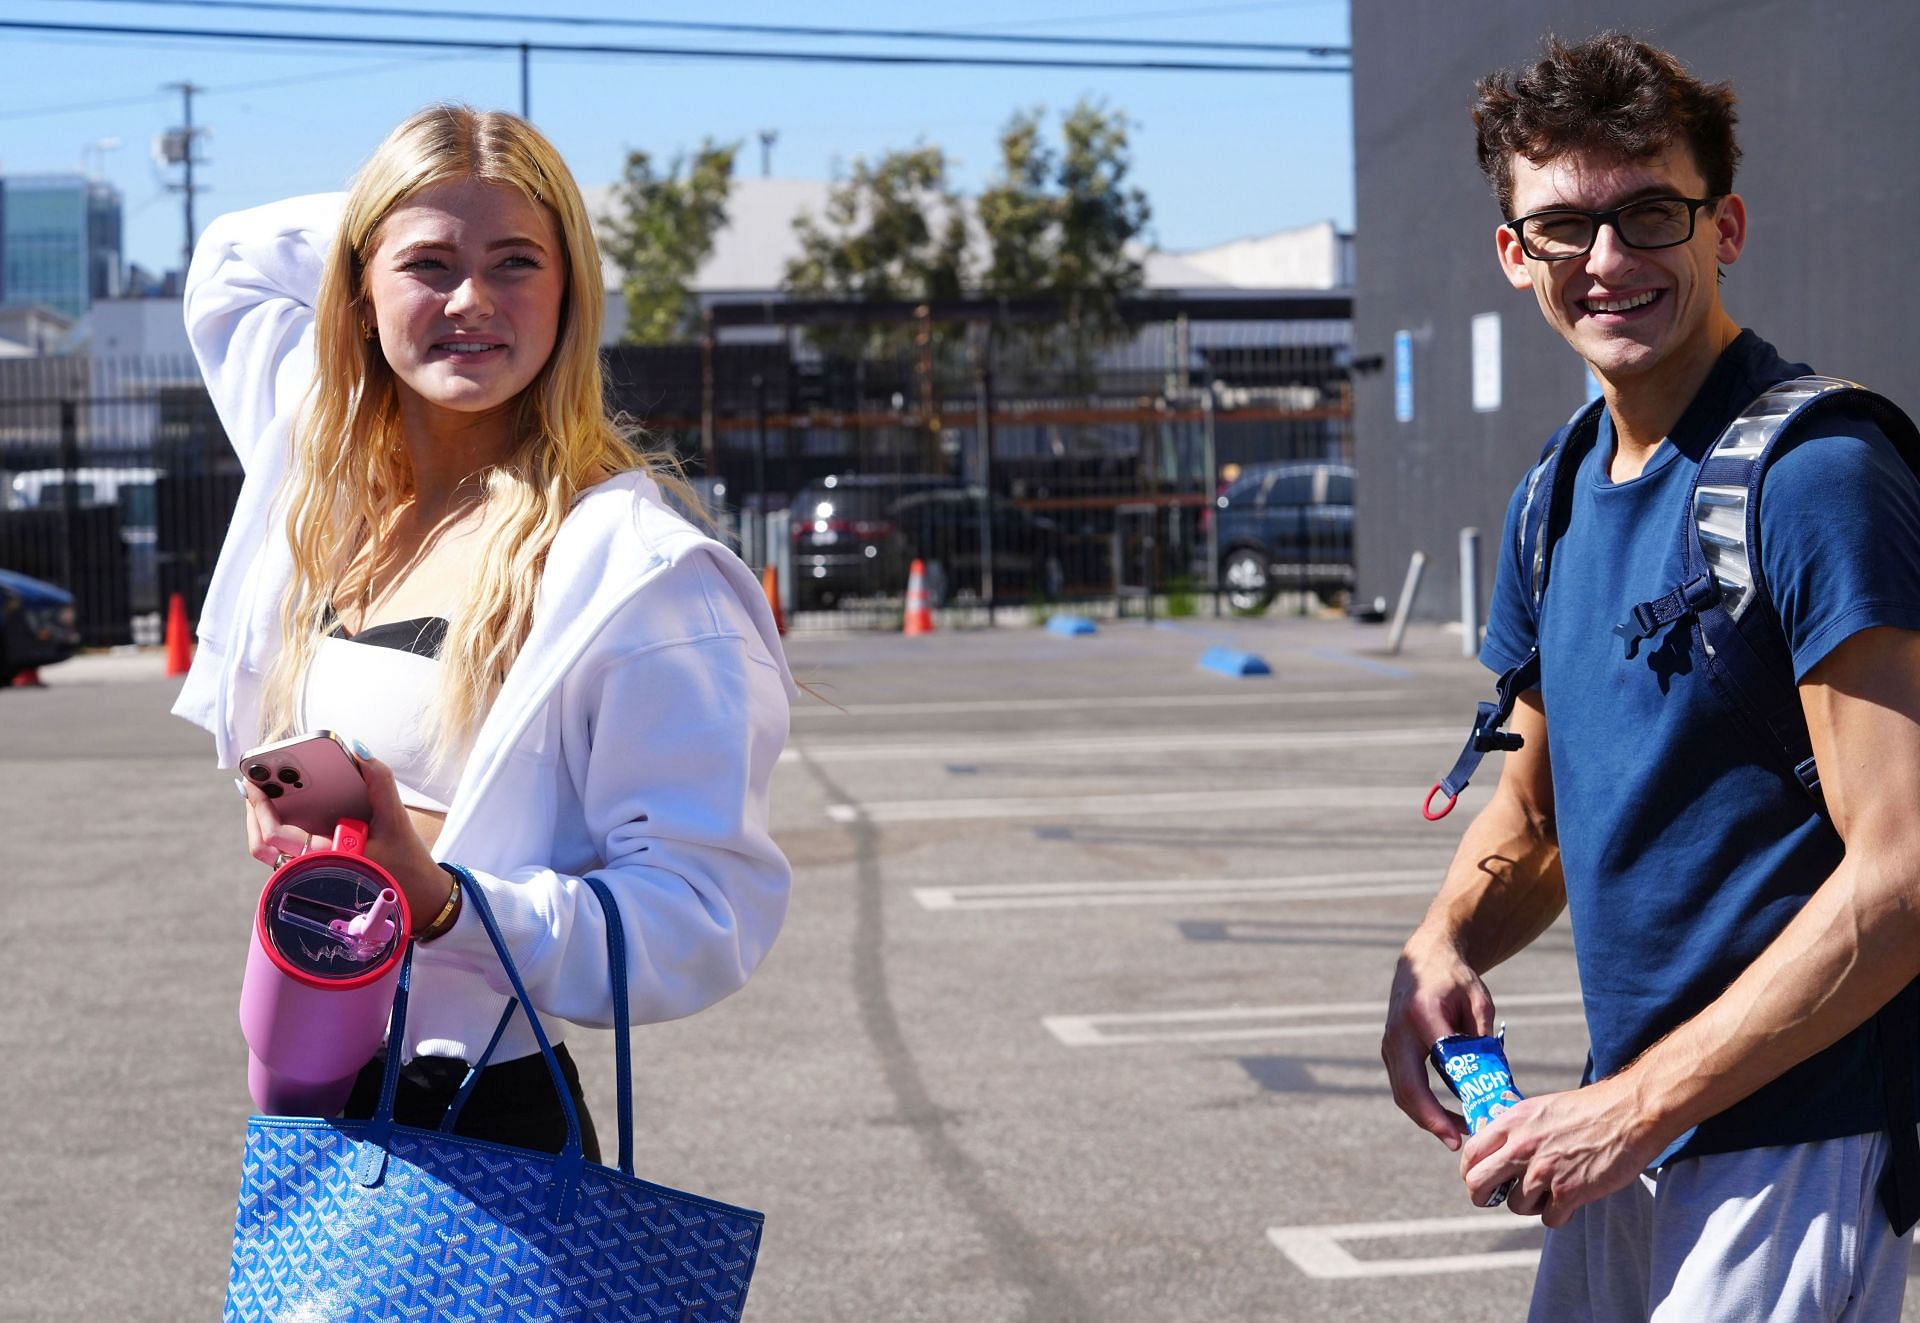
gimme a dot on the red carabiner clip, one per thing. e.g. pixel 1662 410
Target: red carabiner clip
pixel 1426 809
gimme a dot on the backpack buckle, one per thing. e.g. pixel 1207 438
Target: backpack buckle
pixel 1649 618
pixel 1644 625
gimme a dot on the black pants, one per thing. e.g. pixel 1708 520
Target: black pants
pixel 514 1102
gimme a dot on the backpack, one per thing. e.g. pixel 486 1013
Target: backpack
pixel 1737 642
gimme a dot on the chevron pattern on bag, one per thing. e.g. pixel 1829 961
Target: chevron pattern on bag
pixel 456 1232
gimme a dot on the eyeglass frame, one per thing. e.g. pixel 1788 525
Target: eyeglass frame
pixel 1611 218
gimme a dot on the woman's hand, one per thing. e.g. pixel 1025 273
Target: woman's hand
pixel 392 841
pixel 270 840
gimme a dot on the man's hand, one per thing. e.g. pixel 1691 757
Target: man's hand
pixel 1434 994
pixel 1567 1149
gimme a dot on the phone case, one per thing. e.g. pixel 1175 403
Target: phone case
pixel 312 780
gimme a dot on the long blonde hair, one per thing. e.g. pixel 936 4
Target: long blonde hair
pixel 351 472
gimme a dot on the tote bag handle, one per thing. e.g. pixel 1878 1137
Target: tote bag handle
pixel 571 1160
pixel 622 1040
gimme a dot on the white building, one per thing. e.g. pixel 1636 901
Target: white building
pixel 751 253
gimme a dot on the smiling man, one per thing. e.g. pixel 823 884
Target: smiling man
pixel 1747 926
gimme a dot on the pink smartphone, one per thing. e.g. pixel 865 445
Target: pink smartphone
pixel 312 780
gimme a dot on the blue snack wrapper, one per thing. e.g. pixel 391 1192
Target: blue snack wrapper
pixel 1477 1072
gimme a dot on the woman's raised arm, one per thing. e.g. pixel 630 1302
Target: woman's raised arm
pixel 249 311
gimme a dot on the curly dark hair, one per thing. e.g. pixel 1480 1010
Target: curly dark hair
pixel 1611 93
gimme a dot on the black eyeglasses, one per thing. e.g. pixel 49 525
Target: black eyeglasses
pixel 1558 233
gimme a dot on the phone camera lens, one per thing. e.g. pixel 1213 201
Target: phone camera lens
pixel 291 775
pixel 256 772
pixel 273 791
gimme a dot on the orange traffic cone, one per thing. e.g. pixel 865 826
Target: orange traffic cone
pixel 179 640
pixel 770 584
pixel 919 617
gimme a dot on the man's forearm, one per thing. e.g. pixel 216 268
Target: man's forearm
pixel 1503 889
pixel 1850 949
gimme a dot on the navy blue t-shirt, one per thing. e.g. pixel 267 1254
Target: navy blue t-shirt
pixel 1686 846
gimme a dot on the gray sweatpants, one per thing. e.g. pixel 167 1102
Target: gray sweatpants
pixel 1780 1235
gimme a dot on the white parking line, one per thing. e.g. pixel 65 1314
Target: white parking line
pixel 1031 746
pixel 1265 698
pixel 1232 1024
pixel 1147 804
pixel 1180 890
pixel 1318 1251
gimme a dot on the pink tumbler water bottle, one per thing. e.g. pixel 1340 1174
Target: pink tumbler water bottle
pixel 327 942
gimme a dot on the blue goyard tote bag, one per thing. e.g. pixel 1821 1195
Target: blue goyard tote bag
pixel 353 1220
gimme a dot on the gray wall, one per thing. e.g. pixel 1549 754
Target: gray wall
pixel 1830 128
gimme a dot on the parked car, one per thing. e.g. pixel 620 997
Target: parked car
pixel 942 529
pixel 37 626
pixel 130 488
pixel 840 524
pixel 1286 525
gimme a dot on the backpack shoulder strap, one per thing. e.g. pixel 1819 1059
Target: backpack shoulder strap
pixel 1548 500
pixel 1743 646
pixel 1726 494
pixel 1543 513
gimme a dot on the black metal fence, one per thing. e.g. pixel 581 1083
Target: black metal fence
pixel 116 482
pixel 1022 470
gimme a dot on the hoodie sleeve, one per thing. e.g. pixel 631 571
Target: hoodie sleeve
pixel 249 311
pixel 671 746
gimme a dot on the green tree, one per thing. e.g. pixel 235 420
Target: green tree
pixel 1063 222
pixel 894 231
pixel 661 229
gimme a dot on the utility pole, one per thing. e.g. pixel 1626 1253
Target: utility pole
pixel 767 138
pixel 175 147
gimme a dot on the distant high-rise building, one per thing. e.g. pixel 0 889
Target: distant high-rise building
pixel 60 241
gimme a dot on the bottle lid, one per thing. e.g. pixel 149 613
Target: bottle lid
pixel 331 919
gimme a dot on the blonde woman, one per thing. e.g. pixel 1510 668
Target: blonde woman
pixel 447 551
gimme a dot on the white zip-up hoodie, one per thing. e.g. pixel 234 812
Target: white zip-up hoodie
pixel 634 737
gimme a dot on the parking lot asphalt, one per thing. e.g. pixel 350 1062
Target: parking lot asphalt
pixel 1075 1018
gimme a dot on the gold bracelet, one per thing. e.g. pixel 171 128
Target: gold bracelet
pixel 444 919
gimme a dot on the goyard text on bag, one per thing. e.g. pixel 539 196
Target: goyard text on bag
pixel 368 1220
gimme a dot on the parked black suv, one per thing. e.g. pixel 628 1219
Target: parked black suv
pixel 1286 525
pixel 941 529
pixel 840 528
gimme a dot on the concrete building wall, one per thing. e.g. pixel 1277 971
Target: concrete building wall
pixel 1831 175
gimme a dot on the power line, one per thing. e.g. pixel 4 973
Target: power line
pixel 234 89
pixel 678 52
pixel 1183 13
pixel 76 107
pixel 739 29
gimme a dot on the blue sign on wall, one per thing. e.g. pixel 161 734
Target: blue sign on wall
pixel 1403 376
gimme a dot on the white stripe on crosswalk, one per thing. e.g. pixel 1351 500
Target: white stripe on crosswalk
pixel 1065 703
pixel 1174 891
pixel 1184 741
pixel 1228 1024
pixel 1319 1251
pixel 1278 799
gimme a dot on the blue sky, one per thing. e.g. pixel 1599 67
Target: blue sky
pixel 1219 155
